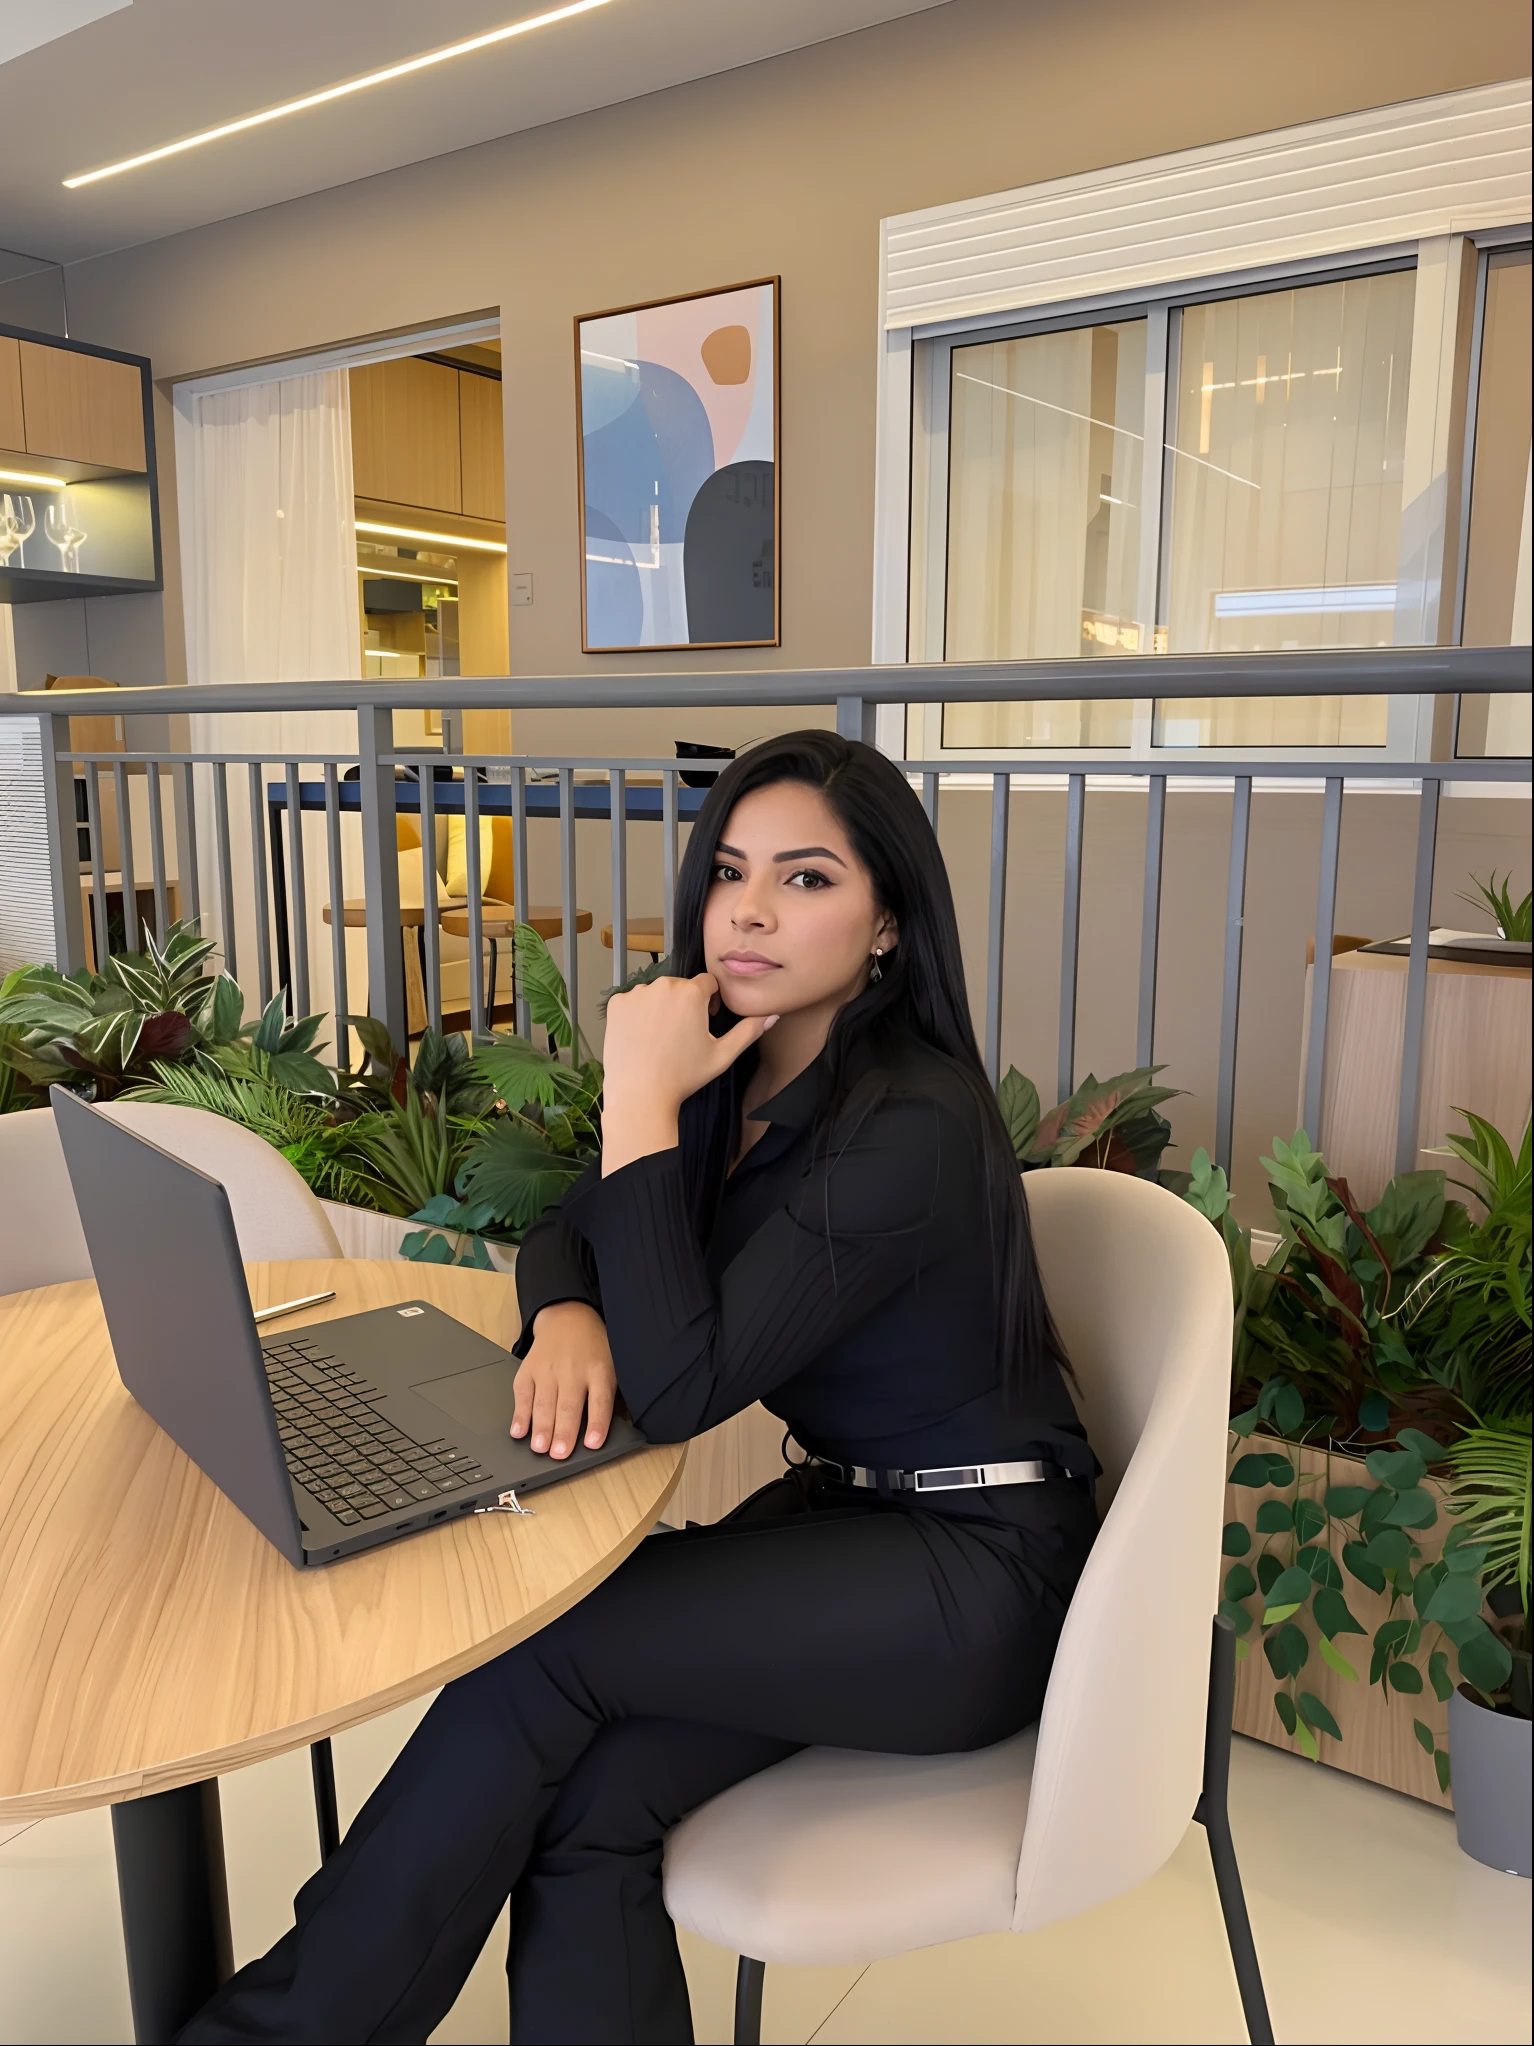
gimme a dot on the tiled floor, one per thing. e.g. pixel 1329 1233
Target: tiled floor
pixel 1370 1923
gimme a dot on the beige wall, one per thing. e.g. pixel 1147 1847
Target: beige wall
pixel 785 167
pixel 788 167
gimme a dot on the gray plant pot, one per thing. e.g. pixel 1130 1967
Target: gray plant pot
pixel 1489 1754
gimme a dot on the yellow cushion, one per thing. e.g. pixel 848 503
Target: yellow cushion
pixel 457 878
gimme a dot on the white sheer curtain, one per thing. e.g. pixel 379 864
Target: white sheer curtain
pixel 269 558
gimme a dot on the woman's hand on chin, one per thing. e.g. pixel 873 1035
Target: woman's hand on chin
pixel 658 1050
pixel 568 1369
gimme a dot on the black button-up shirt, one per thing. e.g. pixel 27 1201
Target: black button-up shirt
pixel 848 1282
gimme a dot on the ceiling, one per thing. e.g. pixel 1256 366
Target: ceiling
pixel 150 72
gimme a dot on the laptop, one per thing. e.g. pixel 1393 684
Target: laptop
pixel 331 1438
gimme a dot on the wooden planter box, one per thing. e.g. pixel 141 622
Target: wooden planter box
pixel 364 1233
pixel 1377 1738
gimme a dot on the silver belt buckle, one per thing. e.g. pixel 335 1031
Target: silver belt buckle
pixel 960 1478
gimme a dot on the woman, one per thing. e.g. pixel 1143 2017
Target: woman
pixel 806 1196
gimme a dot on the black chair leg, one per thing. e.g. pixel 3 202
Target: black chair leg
pixel 1213 1814
pixel 749 1977
pixel 323 1765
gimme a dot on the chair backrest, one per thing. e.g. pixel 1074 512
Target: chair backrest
pixel 41 1241
pixel 1139 1286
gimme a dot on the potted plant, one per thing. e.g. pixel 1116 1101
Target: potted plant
pixel 1490 1731
pixel 1369 1353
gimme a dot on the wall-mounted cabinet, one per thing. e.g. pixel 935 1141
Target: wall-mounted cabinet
pixel 79 509
pixel 427 434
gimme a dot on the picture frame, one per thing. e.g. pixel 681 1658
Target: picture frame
pixel 678 439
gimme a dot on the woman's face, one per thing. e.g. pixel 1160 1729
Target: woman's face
pixel 790 921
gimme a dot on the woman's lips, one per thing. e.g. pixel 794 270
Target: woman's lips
pixel 747 963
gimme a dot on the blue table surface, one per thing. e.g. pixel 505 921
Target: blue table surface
pixel 591 799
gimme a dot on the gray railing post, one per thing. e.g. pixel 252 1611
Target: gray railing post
pixel 1408 1105
pixel 855 718
pixel 1230 992
pixel 63 843
pixel 380 873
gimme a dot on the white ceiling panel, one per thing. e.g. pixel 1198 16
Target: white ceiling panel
pixel 154 71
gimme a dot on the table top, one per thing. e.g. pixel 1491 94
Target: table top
pixel 149 1636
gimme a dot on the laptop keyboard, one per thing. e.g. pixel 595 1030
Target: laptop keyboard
pixel 341 1449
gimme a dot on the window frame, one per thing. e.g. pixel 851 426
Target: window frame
pixel 1448 321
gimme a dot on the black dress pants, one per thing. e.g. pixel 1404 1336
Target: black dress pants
pixel 552 1775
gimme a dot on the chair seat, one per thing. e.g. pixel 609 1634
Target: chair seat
pixel 840 1857
pixel 498 919
pixel 648 935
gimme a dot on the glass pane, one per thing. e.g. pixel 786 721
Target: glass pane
pixel 1286 496
pixel 1497 566
pixel 1046 456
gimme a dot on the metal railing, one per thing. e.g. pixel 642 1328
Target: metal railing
pixel 382 782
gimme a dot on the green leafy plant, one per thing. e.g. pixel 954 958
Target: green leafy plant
pixel 1512 919
pixel 1468 1317
pixel 527 1158
pixel 308 1133
pixel 98 1033
pixel 1293 1588
pixel 415 1150
pixel 1323 1313
pixel 1112 1123
pixel 1489 1498
pixel 16 1090
pixel 453 1235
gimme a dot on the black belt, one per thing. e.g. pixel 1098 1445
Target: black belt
pixel 1037 1470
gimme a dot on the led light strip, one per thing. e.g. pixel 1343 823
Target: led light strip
pixel 449 542
pixel 319 99
pixel 386 572
pixel 33 482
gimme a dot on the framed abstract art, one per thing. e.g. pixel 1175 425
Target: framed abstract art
pixel 678 433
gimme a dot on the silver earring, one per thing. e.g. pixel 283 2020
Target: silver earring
pixel 876 971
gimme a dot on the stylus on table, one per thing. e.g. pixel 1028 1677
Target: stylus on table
pixel 292 1306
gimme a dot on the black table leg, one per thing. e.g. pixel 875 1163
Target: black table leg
pixel 175 1905
pixel 322 1764
pixel 274 817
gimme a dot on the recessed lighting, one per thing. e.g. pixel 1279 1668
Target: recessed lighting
pixel 449 541
pixel 385 572
pixel 319 99
pixel 33 482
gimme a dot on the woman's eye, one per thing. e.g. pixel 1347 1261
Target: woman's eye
pixel 809 877
pixel 725 872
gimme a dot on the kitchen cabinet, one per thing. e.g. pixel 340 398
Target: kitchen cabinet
pixel 405 433
pixel 13 431
pixel 482 447
pixel 82 408
pixel 80 516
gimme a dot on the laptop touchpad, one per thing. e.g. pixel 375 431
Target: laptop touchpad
pixel 483 1399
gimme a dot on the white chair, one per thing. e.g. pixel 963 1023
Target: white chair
pixel 41 1242
pixel 842 1857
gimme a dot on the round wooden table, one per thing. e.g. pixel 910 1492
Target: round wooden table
pixel 151 1638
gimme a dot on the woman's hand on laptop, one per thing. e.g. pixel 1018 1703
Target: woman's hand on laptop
pixel 568 1369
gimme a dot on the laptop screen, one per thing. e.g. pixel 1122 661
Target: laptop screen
pixel 167 1264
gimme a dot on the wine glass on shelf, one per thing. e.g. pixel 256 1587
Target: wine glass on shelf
pixel 18 522
pixel 59 525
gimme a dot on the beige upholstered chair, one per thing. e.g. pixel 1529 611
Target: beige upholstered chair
pixel 41 1242
pixel 834 1856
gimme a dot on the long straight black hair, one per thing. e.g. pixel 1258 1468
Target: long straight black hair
pixel 921 994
